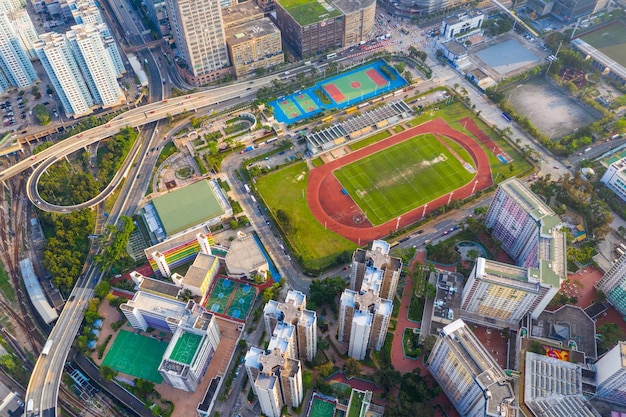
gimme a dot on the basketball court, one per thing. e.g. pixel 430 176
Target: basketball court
pixel 231 298
pixel 288 106
pixel 305 101
pixel 136 355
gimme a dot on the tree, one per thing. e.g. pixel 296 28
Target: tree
pixel 41 113
pixel 351 367
pixel 102 289
pixel 185 295
pixel 284 221
pixel 324 291
pixel 107 373
pixel 387 378
pixel 8 362
pixel 609 334
pixel 408 76
pixel 430 291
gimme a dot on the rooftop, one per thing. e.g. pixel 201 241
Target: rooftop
pixel 240 13
pixel 245 255
pixel 156 286
pixel 461 17
pixel 165 307
pixel 568 323
pixel 306 12
pixel 250 30
pixel 532 204
pixel 35 292
pixel 352 6
pixel 188 206
pixel 185 348
pixel 197 272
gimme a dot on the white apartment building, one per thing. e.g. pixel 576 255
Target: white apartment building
pixel 293 312
pixel 276 378
pixel 469 376
pixel 377 269
pixel 97 66
pixel 363 321
pixel 85 11
pixel 55 54
pixel 499 295
pixel 15 64
pixel 25 30
pixel 615 178
pixel 613 284
pixel 10 5
pixel 199 34
pixel 611 375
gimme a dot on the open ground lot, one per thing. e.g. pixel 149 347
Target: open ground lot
pixel 398 179
pixel 548 109
pixel 507 57
pixel 285 190
pixel 610 40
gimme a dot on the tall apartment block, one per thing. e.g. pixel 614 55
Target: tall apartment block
pixel 10 5
pixel 469 376
pixel 199 34
pixel 293 313
pixel 613 284
pixel 529 232
pixel 376 266
pixel 15 65
pixel 275 377
pixel 83 68
pixel 84 11
pixel 365 309
pixel 25 30
pixel 611 375
pixel 500 295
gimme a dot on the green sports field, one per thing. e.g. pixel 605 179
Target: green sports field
pixel 306 12
pixel 136 355
pixel 321 408
pixel 610 40
pixel 220 296
pixel 400 178
pixel 354 85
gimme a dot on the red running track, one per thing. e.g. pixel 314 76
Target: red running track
pixel 341 214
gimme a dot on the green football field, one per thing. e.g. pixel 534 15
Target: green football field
pixel 136 355
pixel 400 178
pixel 610 40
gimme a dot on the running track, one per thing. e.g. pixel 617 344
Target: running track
pixel 334 209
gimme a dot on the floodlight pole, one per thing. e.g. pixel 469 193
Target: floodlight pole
pixel 424 212
pixel 450 198
pixel 398 223
pixel 474 188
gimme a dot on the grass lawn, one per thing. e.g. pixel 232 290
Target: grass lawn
pixel 400 178
pixel 453 113
pixel 355 404
pixel 410 342
pixel 398 128
pixel 284 189
pixel 5 284
pixel 306 12
pixel 368 141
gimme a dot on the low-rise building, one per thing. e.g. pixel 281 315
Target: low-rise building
pixel 615 178
pixel 245 259
pixel 462 25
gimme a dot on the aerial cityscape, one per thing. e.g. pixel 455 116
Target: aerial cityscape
pixel 314 208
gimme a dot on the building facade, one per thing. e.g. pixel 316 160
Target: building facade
pixel 254 46
pixel 377 269
pixel 276 378
pixel 293 312
pixel 613 284
pixel 199 34
pixel 461 26
pixel 15 63
pixel 409 9
pixel 611 375
pixel 469 376
pixel 615 178
pixel 500 295
pixel 359 19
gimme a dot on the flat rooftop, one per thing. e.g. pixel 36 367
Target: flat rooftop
pixel 306 12
pixel 352 6
pixel 165 307
pixel 245 254
pixel 240 13
pixel 197 272
pixel 531 204
pixel 187 207
pixel 250 30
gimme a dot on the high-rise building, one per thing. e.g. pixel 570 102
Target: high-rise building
pixel 93 56
pixel 55 54
pixel 613 284
pixel 529 232
pixel 293 313
pixel 615 178
pixel 462 25
pixel 276 378
pixel 14 61
pixel 469 376
pixel 611 375
pixel 409 9
pixel 199 34
pixel 85 11
pixel 25 30
pixel 500 295
pixel 83 67
pixel 10 5
pixel 365 309
pixel 566 10
pixel 377 268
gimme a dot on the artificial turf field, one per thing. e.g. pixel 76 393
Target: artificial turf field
pixel 321 408
pixel 610 40
pixel 400 178
pixel 355 84
pixel 136 355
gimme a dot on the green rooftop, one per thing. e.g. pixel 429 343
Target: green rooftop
pixel 187 207
pixel 306 12
pixel 614 158
pixel 356 403
pixel 185 348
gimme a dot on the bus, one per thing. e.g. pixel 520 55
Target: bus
pixel 506 116
pixel 350 110
pixel 404 31
pixel 247 187
pixel 253 199
pixel 331 56
pixel 47 347
pixel 327 119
